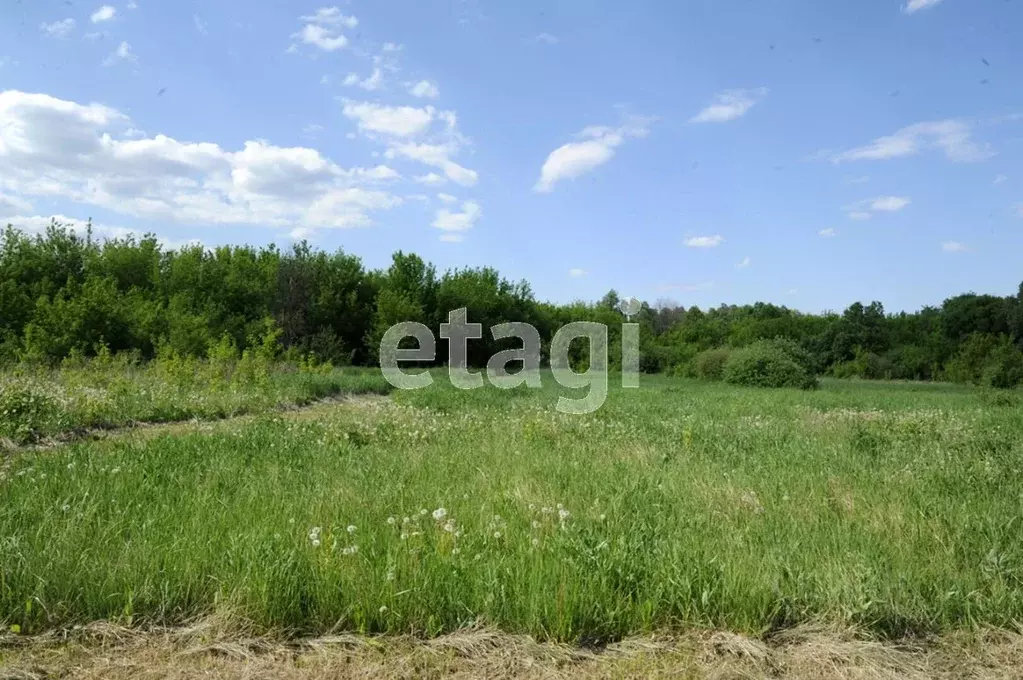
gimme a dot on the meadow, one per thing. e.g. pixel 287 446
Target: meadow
pixel 893 508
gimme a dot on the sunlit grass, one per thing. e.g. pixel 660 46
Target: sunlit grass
pixel 893 508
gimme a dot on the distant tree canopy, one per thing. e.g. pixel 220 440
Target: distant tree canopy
pixel 62 294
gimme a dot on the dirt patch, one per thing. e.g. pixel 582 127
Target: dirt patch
pixel 810 653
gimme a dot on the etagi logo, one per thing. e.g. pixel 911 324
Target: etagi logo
pixel 458 331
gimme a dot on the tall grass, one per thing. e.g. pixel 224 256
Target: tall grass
pixel 682 503
pixel 38 402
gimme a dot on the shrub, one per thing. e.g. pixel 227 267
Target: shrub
pixel 767 364
pixel 1004 366
pixel 710 365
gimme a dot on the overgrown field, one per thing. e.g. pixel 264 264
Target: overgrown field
pixel 894 508
pixel 37 403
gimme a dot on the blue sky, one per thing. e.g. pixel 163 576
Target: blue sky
pixel 800 152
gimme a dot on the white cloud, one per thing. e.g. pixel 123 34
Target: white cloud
pixel 729 105
pixel 200 25
pixel 392 47
pixel 889 203
pixel 705 241
pixel 950 136
pixel 448 221
pixel 917 5
pixel 570 160
pixel 323 29
pixel 865 209
pixel 575 272
pixel 954 247
pixel 123 53
pixel 396 121
pixel 746 261
pixel 330 16
pixel 81 153
pixel 546 38
pixel 370 82
pixel 827 233
pixel 104 13
pixel 13 203
pixel 431 179
pixel 999 179
pixel 436 155
pixel 58 29
pixel 447 198
pixel 424 88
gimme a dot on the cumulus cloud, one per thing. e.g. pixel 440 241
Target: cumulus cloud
pixel 323 29
pixel 81 152
pixel 865 209
pixel 576 272
pixel 546 39
pixel 395 121
pixel 431 179
pixel 596 146
pixel 954 247
pixel 122 53
pixel 458 222
pixel 917 5
pixel 438 156
pixel 58 29
pixel 424 89
pixel 705 241
pixel 104 13
pixel 729 105
pixel 827 233
pixel 952 137
pixel 371 82
pixel 447 198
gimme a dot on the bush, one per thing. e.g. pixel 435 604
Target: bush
pixel 710 365
pixel 767 364
pixel 796 352
pixel 1004 367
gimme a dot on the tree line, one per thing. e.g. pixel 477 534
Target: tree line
pixel 64 294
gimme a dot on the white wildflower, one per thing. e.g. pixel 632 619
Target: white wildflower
pixel 351 528
pixel 439 514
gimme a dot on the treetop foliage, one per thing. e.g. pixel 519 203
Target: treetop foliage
pixel 63 294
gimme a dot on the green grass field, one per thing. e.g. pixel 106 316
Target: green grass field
pixel 894 508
